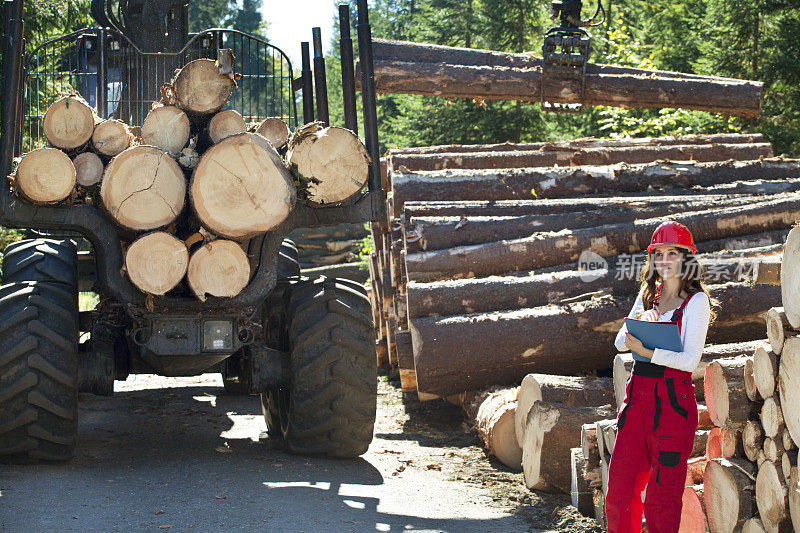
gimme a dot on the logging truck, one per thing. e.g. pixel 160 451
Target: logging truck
pixel 182 236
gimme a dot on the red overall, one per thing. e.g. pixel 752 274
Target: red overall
pixel 655 436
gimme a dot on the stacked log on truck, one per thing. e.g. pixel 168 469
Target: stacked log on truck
pixel 191 188
pixel 477 271
pixel 333 251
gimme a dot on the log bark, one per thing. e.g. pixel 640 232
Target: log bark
pixel 535 288
pixel 778 329
pixel 143 188
pixel 765 370
pixel 570 390
pixel 589 444
pixel 201 88
pixel 333 159
pixel 576 157
pixel 459 353
pixel 166 127
pixel 405 360
pixel 695 468
pixel 729 493
pixel 725 396
pixel 552 430
pixel 494 419
pixel 587 142
pixel 580 491
pixel 414 72
pixel 557 248
pixel 790 278
pixel 111 137
pixel 68 123
pixel 219 268
pixel 156 262
pixel 45 176
pixel 241 188
pixel 437 233
pixel 789 386
pixel 275 130
pixel 531 183
pixel 88 169
pixel 752 439
pixel 772 498
pixel 224 124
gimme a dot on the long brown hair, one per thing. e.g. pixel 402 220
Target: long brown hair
pixel 692 279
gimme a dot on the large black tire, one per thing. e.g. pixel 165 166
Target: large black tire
pixel 41 260
pixel 38 371
pixel 330 403
pixel 288 260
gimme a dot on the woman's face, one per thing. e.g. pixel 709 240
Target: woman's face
pixel 668 261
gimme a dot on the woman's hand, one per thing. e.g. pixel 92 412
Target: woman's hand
pixel 634 345
pixel 649 316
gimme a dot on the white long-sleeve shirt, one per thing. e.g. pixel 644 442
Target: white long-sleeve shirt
pixel 694 327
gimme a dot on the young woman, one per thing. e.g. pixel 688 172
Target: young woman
pixel 657 420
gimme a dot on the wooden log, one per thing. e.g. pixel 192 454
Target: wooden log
pixel 571 390
pixel 586 156
pixel 254 193
pixel 552 430
pixel 722 442
pixel 778 329
pixel 333 159
pixel 156 262
pixel 218 268
pixel 351 271
pixel 729 493
pixel 405 360
pixel 765 370
pixel 752 439
pixel 111 137
pixel 788 461
pixel 498 354
pixel 788 443
pixel 143 188
pixel 589 445
pixel 789 385
pixel 166 127
pixel 761 457
pixel 407 72
pixel 494 419
pixel 750 388
pixel 69 122
pixel 695 468
pixel 790 278
pixel 88 169
pixel 725 396
pixel 531 183
pixel 600 508
pixel 201 87
pixel 556 248
pixel 753 525
pixel 587 142
pixel 693 516
pixel 772 418
pixel 436 233
pixel 580 491
pixel 45 176
pixel 772 498
pixel 382 354
pixel 224 124
pixel 188 158
pixel 793 490
pixel 773 450
pixel 275 130
pixel 768 271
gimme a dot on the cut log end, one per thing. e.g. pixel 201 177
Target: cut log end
pixel 111 137
pixel 728 493
pixel 143 188
pixel 224 124
pixel 219 268
pixel 69 123
pixel 88 169
pixel 200 88
pixel 167 128
pixel 275 130
pixel 45 176
pixel 241 187
pixel 156 262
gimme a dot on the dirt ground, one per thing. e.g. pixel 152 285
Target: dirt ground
pixel 178 454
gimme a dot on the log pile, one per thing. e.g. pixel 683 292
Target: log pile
pixel 194 183
pixel 332 251
pixel 469 258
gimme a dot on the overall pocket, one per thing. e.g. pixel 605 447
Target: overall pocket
pixel 669 470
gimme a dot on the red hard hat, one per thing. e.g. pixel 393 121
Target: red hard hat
pixel 674 234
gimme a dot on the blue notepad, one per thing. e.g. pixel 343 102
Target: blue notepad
pixel 654 335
